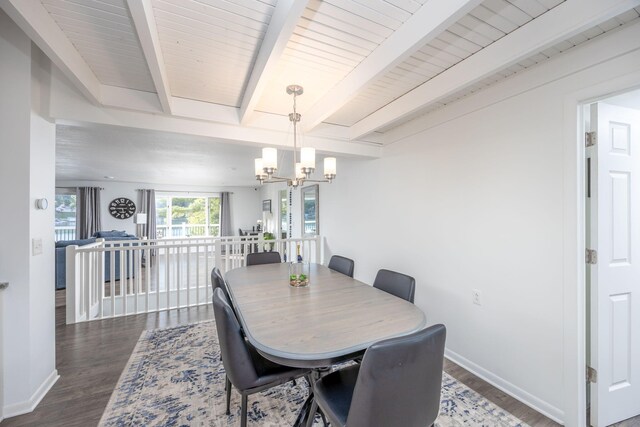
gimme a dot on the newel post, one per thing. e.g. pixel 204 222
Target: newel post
pixel 218 254
pixel 72 283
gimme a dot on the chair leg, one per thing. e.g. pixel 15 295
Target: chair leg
pixel 228 389
pixel 309 381
pixel 312 413
pixel 325 423
pixel 243 422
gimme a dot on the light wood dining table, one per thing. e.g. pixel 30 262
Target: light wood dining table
pixel 320 324
pixel 332 319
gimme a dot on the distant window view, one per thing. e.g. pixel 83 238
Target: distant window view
pixel 178 216
pixel 65 219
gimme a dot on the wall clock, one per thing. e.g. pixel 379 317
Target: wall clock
pixel 122 208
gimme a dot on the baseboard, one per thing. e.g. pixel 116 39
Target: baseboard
pixel 29 405
pixel 528 399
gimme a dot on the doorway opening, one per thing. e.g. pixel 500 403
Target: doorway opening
pixel 612 237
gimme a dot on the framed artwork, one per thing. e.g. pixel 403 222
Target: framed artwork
pixel 266 205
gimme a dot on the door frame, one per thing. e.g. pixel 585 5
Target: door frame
pixel 574 226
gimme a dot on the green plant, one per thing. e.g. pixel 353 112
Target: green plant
pixel 268 236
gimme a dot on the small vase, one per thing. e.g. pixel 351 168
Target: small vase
pixel 299 274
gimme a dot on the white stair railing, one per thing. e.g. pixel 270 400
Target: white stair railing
pixel 119 278
pixel 82 270
pixel 232 250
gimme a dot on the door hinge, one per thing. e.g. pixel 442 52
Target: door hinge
pixel 590 139
pixel 591 256
pixel 592 375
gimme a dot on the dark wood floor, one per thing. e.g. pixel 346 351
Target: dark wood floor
pixel 91 356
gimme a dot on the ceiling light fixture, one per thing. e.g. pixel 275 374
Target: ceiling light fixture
pixel 267 166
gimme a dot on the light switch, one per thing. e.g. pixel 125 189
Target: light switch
pixel 36 246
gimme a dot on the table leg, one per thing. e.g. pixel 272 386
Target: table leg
pixel 307 413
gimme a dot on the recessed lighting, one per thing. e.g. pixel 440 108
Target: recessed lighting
pixel 108 177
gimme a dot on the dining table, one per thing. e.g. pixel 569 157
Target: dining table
pixel 332 319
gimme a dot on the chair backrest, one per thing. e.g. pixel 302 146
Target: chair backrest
pixel 217 281
pixel 395 283
pixel 399 381
pixel 236 356
pixel 259 258
pixel 341 265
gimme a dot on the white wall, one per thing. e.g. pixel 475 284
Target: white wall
pixel 42 184
pixel 26 173
pixel 245 201
pixel 474 197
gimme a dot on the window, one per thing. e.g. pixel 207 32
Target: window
pixel 179 216
pixel 65 219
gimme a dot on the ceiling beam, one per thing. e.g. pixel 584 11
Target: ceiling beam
pixel 38 24
pixel 67 105
pixel 283 22
pixel 145 24
pixel 560 23
pixel 427 23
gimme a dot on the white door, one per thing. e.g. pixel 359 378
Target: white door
pixel 615 278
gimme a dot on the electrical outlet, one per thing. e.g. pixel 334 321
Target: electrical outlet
pixel 476 296
pixel 36 246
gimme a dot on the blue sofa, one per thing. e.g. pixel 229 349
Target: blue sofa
pixel 61 257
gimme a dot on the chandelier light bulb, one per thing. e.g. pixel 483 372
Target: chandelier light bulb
pixel 299 173
pixel 308 157
pixel 269 158
pixel 259 169
pixel 330 166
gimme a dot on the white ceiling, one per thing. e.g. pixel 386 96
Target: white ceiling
pixel 367 66
pixel 139 155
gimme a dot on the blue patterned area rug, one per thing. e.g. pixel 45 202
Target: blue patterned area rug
pixel 175 378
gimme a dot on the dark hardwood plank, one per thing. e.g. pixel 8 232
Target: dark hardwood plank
pixel 498 397
pixel 91 357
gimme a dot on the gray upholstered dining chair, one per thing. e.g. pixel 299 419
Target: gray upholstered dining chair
pixel 259 258
pixel 397 384
pixel 217 281
pixel 245 368
pixel 341 265
pixel 395 283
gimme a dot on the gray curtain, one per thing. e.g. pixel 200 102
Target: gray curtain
pixel 87 212
pixel 225 215
pixel 147 204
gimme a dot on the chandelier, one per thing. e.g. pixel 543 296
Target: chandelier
pixel 267 166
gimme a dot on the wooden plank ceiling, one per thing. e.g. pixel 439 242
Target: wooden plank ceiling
pixel 207 50
pixel 103 34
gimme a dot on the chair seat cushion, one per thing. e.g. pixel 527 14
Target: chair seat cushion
pixel 334 392
pixel 269 372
